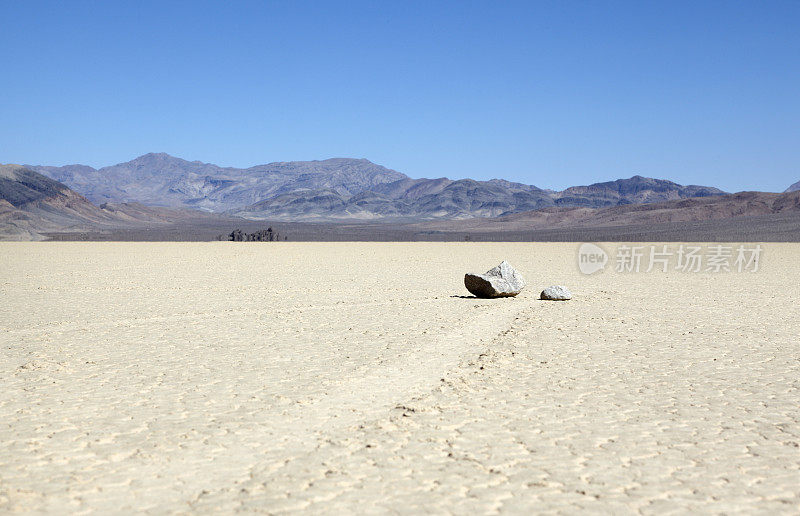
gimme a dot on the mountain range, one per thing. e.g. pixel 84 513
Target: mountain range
pixel 721 207
pixel 163 180
pixel 158 191
pixel 339 189
pixel 32 204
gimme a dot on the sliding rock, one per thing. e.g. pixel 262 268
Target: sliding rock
pixel 502 281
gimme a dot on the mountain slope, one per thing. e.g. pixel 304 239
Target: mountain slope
pixel 32 204
pixel 164 180
pixel 465 198
pixel 404 199
pixel 795 187
pixel 340 189
pixel 730 206
pixel 635 190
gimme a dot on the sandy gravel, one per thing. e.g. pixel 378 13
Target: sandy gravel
pixel 278 377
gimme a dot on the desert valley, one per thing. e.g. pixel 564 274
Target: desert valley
pixel 400 258
pixel 353 375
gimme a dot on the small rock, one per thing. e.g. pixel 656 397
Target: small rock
pixel 556 293
pixel 502 281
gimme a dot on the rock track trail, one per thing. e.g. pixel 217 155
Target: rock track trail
pixel 163 378
pixel 538 423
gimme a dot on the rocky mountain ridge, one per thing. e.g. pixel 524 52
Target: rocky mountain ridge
pixel 32 205
pixel 340 189
pixel 462 199
pixel 159 179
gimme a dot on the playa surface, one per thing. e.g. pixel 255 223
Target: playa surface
pixel 329 377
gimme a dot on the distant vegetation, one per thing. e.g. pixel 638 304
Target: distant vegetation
pixel 264 235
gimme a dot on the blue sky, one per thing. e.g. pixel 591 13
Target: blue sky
pixel 549 93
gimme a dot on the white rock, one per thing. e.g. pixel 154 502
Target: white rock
pixel 556 293
pixel 501 281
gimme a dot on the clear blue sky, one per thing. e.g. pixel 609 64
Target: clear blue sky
pixel 549 93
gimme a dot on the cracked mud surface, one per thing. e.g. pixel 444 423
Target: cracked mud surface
pixel 350 377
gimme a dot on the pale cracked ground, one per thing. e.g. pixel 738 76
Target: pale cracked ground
pixel 350 378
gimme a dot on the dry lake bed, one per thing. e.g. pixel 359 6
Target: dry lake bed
pixel 360 377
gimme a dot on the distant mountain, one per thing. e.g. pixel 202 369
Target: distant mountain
pixel 339 189
pixel 721 207
pixel 404 199
pixel 795 187
pixel 32 204
pixel 466 198
pixel 636 190
pixel 163 180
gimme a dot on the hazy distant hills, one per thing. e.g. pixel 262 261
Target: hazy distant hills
pixel 408 199
pixel 730 206
pixel 163 180
pixel 636 190
pixel 32 204
pixel 465 198
pixel 795 187
pixel 339 189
